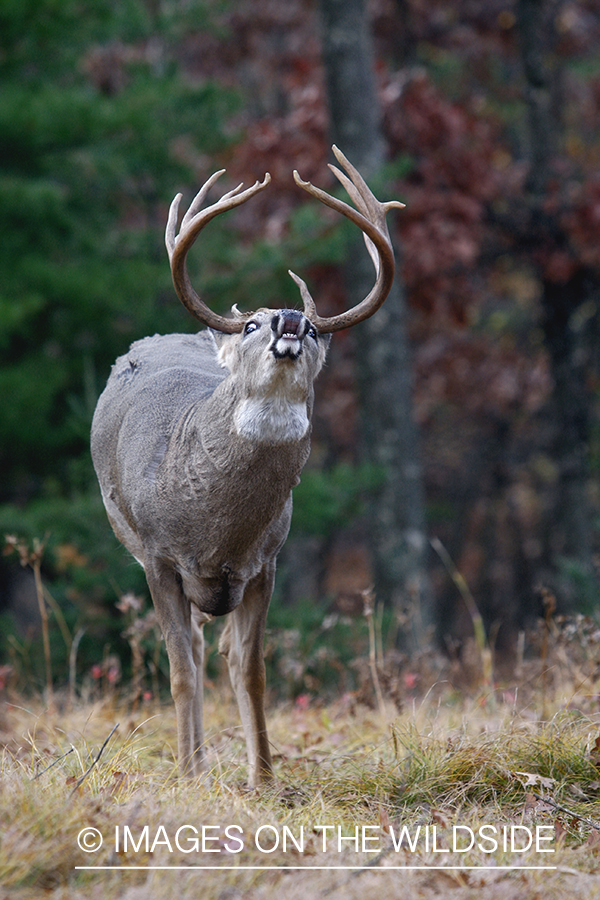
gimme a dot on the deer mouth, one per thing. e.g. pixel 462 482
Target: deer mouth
pixel 289 329
pixel 288 345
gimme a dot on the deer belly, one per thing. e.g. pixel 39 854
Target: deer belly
pixel 215 595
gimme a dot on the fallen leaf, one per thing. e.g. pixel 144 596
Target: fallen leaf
pixel 593 842
pixel 595 753
pixel 560 833
pixel 532 779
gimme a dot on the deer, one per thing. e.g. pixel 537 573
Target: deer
pixel 198 441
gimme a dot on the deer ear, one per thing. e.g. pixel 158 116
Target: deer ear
pixel 226 345
pixel 217 336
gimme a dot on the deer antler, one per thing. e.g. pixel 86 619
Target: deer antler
pixel 178 245
pixel 369 215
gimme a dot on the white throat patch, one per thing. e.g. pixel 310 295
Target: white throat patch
pixel 271 420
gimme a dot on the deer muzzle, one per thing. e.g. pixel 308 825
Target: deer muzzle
pixel 289 328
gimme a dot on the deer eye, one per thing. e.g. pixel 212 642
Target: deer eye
pixel 250 327
pixel 312 332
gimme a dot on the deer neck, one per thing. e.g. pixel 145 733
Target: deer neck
pixel 272 408
pixel 227 483
pixel 234 429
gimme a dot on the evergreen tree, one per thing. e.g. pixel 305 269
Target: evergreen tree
pixel 97 127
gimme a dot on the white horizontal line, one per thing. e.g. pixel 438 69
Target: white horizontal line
pixel 301 868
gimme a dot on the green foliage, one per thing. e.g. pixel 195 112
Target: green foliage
pixel 94 134
pixel 325 498
pixel 581 581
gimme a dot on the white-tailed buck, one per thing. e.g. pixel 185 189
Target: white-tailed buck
pixel 198 440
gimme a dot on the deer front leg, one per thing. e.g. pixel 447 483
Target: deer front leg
pixel 242 644
pixel 184 652
pixel 198 622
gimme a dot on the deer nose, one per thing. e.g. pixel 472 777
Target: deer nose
pixel 290 321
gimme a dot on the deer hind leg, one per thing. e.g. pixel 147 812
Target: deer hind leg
pixel 242 644
pixel 174 616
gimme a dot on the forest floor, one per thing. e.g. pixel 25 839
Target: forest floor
pixel 451 796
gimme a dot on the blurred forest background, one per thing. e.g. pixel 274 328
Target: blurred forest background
pixel 456 445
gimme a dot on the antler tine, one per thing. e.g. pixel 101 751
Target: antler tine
pixel 358 190
pixel 369 215
pixel 171 229
pixel 192 224
pixel 196 204
pixel 310 310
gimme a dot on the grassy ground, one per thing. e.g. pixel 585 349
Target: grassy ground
pixel 348 779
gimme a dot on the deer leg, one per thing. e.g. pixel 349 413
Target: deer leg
pixel 198 655
pixel 174 616
pixel 242 644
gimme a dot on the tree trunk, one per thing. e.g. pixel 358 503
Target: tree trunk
pixel 567 340
pixel 389 437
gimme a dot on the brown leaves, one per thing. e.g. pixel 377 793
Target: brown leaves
pixel 450 365
pixel 453 176
pixel 595 753
pixel 592 845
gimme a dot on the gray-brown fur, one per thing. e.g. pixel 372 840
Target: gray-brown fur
pixel 204 508
pixel 198 440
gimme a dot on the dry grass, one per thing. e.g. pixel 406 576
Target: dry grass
pixel 444 762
